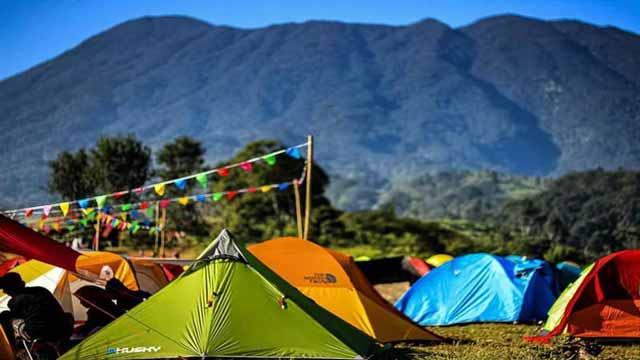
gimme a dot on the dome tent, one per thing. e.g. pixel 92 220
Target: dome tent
pixel 481 288
pixel 227 304
pixel 604 302
pixel 334 281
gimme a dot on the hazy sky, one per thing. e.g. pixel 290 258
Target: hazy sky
pixel 32 31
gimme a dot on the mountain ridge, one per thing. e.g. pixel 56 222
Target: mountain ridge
pixel 503 93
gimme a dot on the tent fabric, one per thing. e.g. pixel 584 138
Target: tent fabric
pixel 438 259
pixel 603 302
pixel 62 284
pixel 20 240
pixel 227 304
pixel 11 263
pixel 6 352
pixel 569 272
pixel 334 281
pixel 481 288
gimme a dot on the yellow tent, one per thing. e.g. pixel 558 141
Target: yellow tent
pixel 438 259
pixel 335 282
pixel 94 268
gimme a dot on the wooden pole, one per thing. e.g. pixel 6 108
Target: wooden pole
pixel 307 207
pixel 164 233
pixel 296 191
pixel 96 240
pixel 156 223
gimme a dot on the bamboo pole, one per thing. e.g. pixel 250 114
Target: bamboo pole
pixel 296 191
pixel 164 233
pixel 156 223
pixel 307 207
pixel 96 239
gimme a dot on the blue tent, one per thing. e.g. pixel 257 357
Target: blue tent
pixel 482 288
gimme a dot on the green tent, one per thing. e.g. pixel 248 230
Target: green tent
pixel 227 304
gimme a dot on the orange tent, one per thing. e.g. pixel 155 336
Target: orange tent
pixel 334 281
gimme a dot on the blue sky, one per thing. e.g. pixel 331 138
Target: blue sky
pixel 34 31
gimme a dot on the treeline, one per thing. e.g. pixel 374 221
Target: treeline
pixel 583 214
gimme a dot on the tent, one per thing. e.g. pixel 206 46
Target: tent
pixel 438 259
pixel 604 302
pixel 92 266
pixel 335 282
pixel 227 304
pixel 481 288
pixel 569 272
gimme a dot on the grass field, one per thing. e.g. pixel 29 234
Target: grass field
pixel 504 341
pixel 496 341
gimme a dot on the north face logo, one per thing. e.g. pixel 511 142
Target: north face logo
pixel 133 350
pixel 321 278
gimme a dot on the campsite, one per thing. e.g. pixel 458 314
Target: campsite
pixel 319 180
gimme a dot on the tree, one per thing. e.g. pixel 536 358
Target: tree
pixel 120 163
pixel 261 216
pixel 184 156
pixel 69 176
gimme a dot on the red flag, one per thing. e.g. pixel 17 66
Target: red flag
pixel 20 240
pixel 223 172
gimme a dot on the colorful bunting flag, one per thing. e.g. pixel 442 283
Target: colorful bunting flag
pixel 56 226
pixel 294 153
pixel 46 210
pixel 123 216
pixel 144 205
pixel 251 190
pixel 270 159
pixel 181 184
pixel 246 166
pixel 88 211
pixel 202 180
pixel 223 172
pixel 119 194
pixel 101 200
pixel 133 214
pixel 265 188
pixel 139 190
pixel 28 212
pixel 149 212
pixel 159 188
pixel 84 203
pixel 164 203
pixel 217 196
pixel 231 195
pixel 183 201
pixel 125 207
pixel 201 198
pixel 283 186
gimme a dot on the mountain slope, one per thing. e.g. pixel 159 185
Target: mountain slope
pixel 506 93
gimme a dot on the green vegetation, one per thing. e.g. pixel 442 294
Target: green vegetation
pixel 472 195
pixel 504 341
pixel 579 217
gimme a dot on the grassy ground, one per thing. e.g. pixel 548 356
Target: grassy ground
pixel 504 341
pixel 496 341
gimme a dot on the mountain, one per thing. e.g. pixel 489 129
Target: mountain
pixel 385 103
pixel 474 195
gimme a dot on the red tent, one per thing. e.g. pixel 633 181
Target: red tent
pixel 606 303
pixel 20 240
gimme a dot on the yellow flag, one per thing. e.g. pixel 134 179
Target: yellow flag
pixel 56 226
pixel 123 216
pixel 65 208
pixel 183 200
pixel 266 188
pixel 159 188
pixel 87 211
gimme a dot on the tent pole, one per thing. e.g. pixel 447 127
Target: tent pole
pixel 296 191
pixel 307 207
